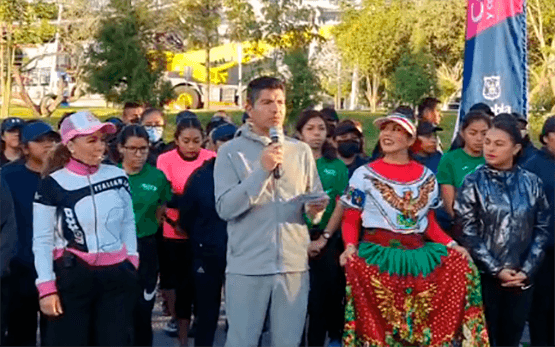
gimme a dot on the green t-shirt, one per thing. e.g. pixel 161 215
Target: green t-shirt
pixel 334 176
pixel 455 165
pixel 149 190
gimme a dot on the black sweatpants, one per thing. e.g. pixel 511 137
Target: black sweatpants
pixel 97 303
pixel 148 276
pixel 23 306
pixel 209 274
pixel 542 313
pixel 326 309
pixel 506 311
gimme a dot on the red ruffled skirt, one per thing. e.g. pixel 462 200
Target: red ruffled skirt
pixel 402 291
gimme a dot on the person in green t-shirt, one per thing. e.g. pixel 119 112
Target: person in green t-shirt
pixel 325 308
pixel 150 190
pixel 455 165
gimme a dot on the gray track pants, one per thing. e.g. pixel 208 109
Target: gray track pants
pixel 249 298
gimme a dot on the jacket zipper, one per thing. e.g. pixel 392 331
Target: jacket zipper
pixel 278 235
pixel 95 219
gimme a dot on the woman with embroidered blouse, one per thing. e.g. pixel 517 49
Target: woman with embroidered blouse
pixel 408 283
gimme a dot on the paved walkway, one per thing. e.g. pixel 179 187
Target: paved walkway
pixel 162 339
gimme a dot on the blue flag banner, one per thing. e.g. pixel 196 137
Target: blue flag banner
pixel 495 57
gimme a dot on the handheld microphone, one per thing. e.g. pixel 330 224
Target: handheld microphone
pixel 276 135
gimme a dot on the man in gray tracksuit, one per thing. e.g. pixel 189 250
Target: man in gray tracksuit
pixel 267 261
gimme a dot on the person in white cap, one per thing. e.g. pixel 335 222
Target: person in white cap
pixel 408 283
pixel 84 240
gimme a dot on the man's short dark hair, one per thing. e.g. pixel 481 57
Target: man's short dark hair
pixel 259 84
pixel 427 104
pixel 132 105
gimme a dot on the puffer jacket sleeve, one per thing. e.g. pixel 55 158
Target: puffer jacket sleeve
pixel 467 207
pixel 541 231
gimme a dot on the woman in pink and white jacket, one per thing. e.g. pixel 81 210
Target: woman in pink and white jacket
pixel 84 240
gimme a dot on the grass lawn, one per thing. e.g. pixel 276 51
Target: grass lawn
pixel 365 117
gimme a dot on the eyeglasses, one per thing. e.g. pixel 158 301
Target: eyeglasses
pixel 137 150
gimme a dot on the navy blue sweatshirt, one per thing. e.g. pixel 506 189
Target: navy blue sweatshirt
pixel 8 228
pixel 543 165
pixel 23 184
pixel 198 216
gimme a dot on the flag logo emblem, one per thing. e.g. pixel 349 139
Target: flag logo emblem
pixel 492 87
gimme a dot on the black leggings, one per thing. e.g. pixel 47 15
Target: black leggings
pixel 97 302
pixel 177 273
pixel 148 275
pixel 506 311
pixel 326 297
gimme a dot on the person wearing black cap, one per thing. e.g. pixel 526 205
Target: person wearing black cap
pixel 37 139
pixel 425 149
pixel 208 234
pixel 219 118
pixel 528 148
pixel 10 150
pixel 542 320
pixel 349 141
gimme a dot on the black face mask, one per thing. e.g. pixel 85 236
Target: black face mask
pixel 348 149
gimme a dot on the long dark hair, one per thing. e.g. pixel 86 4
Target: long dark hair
pixel 472 117
pixel 508 124
pixel 328 151
pixel 57 159
pixel 188 123
pixel 152 110
pixel 132 130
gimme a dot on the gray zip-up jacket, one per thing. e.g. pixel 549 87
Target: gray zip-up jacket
pixel 266 230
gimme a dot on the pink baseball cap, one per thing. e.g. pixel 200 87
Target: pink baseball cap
pixel 83 123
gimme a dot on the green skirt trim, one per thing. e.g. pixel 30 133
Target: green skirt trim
pixel 403 262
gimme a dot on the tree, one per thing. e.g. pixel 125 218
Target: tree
pixel 303 86
pixel 541 20
pixel 334 78
pixel 288 25
pixel 20 22
pixel 125 67
pixel 372 38
pixel 241 26
pixel 413 78
pixel 198 21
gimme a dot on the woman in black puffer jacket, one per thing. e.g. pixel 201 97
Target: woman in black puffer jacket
pixel 504 214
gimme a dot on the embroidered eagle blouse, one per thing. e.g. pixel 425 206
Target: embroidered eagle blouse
pixel 398 198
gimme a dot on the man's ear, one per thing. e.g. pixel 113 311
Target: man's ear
pixel 248 108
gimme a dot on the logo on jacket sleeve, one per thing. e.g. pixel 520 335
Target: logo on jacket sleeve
pixel 492 87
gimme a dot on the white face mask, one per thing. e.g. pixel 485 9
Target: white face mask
pixel 154 133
